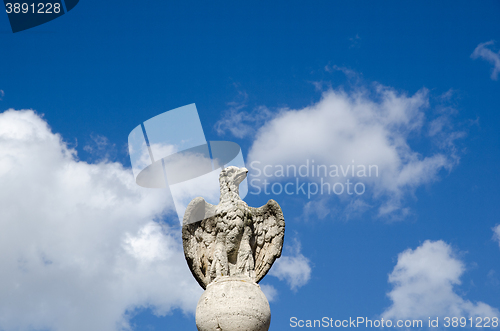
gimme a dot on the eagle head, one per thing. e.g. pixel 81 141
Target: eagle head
pixel 233 175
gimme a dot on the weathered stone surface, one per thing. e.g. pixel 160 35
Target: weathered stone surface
pixel 233 303
pixel 237 239
pixel 229 249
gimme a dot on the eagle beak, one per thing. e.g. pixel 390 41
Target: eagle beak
pixel 241 175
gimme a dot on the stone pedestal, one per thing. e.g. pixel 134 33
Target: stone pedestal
pixel 232 303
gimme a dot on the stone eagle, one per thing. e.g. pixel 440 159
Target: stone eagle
pixel 234 239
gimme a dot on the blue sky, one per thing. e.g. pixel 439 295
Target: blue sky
pixel 410 87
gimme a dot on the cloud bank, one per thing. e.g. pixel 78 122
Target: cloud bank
pixel 423 285
pixel 362 128
pixel 81 244
pixel 485 53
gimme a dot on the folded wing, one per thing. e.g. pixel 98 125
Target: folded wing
pixel 198 238
pixel 269 231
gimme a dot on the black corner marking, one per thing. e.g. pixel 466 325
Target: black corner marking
pixel 26 14
pixel 70 4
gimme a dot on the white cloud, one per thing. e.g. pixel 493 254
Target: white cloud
pixel 239 122
pixel 242 124
pixel 318 209
pixel 361 128
pixel 354 41
pixel 270 292
pixel 2 94
pixel 483 52
pixel 295 268
pixel 79 247
pixel 100 148
pixel 423 285
pixel 349 73
pixel 496 235
pixel 493 279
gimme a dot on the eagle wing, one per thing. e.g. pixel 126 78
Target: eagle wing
pixel 198 238
pixel 269 231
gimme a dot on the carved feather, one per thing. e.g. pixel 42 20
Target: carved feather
pixel 210 232
pixel 198 238
pixel 269 232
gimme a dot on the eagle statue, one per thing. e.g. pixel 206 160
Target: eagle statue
pixel 231 238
